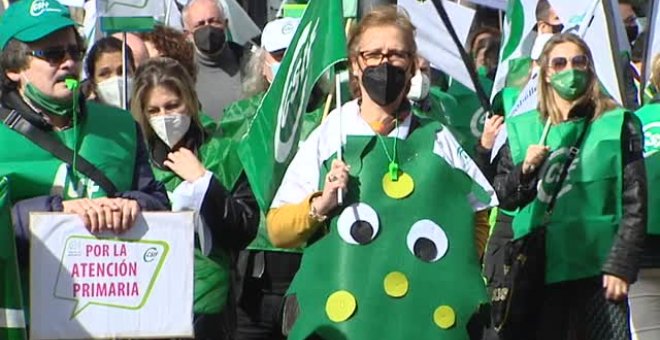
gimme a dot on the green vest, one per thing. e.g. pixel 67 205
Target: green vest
pixel 234 124
pixel 211 272
pixel 106 138
pixel 587 212
pixel 649 115
pixel 332 264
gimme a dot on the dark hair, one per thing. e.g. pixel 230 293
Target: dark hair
pixel 102 46
pixel 15 58
pixel 542 10
pixel 173 44
pixel 491 45
pixel 479 31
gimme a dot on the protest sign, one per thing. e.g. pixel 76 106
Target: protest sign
pixel 137 284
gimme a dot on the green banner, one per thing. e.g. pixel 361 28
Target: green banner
pixel 12 317
pixel 272 139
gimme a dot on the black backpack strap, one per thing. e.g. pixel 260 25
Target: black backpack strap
pixel 572 153
pixel 16 122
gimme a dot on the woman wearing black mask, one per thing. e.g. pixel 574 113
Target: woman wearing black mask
pixel 397 170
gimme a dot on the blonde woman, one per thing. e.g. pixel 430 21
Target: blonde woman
pixel 645 293
pixel 595 232
pixel 188 159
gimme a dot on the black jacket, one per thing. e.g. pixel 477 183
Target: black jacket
pixel 231 214
pixel 516 190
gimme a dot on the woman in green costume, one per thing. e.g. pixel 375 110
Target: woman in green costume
pixel 595 232
pixel 190 161
pixel 397 259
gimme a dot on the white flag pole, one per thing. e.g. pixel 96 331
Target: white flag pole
pixel 123 72
pixel 340 192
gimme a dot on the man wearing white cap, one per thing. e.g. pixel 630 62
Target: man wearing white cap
pixel 264 272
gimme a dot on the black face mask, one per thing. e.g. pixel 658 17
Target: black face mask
pixel 556 29
pixel 384 83
pixel 632 32
pixel 209 39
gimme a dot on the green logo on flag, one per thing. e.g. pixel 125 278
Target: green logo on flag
pixel 292 107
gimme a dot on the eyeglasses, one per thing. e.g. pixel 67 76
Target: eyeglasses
pixel 375 57
pixel 580 62
pixel 57 55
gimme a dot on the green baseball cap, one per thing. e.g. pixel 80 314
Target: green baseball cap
pixel 31 20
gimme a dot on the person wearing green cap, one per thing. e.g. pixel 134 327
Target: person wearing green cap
pixel 106 179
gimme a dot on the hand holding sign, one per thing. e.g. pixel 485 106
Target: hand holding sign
pixel 100 214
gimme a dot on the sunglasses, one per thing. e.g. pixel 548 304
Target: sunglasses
pixel 57 55
pixel 580 62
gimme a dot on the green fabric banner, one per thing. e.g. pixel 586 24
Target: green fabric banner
pixel 467 120
pixel 587 212
pixel 272 139
pixel 12 317
pixel 649 115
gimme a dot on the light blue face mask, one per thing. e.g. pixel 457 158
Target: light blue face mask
pixel 274 67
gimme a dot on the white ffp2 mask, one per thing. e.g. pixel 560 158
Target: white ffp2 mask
pixel 170 128
pixel 111 91
pixel 419 86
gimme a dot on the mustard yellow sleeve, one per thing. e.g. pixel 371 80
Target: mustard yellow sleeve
pixel 482 228
pixel 290 225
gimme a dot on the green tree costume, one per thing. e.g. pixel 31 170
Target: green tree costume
pixel 649 115
pixel 578 240
pixel 409 270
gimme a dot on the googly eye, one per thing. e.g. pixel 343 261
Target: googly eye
pixel 358 224
pixel 427 241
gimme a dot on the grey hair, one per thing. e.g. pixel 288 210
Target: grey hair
pixel 255 82
pixel 221 6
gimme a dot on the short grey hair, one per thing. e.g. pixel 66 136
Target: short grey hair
pixel 220 3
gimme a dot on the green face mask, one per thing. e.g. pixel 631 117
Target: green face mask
pixel 482 70
pixel 570 84
pixel 47 103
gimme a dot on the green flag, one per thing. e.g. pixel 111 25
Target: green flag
pixel 12 318
pixel 272 139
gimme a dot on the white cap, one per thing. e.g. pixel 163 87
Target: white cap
pixel 277 34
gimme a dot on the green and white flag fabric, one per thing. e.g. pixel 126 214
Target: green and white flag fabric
pixel 12 317
pixel 433 40
pixel 241 27
pixel 517 37
pixel 272 139
pixel 129 15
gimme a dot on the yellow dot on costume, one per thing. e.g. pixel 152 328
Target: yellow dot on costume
pixel 400 188
pixel 396 284
pixel 340 306
pixel 444 317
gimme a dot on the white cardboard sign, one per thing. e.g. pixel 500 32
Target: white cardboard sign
pixel 137 284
